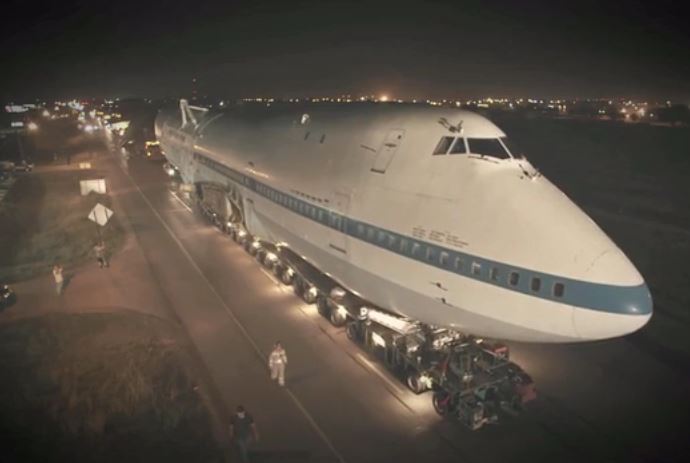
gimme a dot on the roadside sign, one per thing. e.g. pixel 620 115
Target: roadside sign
pixel 100 214
pixel 96 184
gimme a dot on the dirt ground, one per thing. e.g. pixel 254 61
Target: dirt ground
pixel 100 387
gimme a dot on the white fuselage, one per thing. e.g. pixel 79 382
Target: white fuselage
pixel 481 243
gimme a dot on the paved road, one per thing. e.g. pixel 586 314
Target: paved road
pixel 605 401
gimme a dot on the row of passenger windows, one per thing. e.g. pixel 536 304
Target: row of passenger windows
pixel 401 245
pixel 493 147
pixel 432 255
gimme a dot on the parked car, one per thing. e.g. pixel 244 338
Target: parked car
pixel 23 166
pixel 7 296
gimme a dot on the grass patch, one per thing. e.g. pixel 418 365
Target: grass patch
pixel 99 387
pixel 44 221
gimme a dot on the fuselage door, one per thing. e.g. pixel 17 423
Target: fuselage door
pixel 385 154
pixel 337 233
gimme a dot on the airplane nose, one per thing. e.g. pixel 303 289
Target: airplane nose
pixel 597 325
pixel 620 304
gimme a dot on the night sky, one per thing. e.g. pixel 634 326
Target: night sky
pixel 406 49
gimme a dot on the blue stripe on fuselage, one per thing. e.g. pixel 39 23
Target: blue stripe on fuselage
pixel 631 300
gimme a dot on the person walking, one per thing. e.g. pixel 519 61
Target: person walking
pixel 242 431
pixel 59 278
pixel 276 362
pixel 99 250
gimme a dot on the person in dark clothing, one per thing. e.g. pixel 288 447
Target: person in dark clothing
pixel 242 431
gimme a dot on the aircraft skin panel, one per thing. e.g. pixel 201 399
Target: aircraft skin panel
pixel 498 213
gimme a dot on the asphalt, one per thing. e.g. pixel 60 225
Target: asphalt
pixel 606 401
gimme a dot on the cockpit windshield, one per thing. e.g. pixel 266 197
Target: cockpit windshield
pixel 488 147
pixel 514 149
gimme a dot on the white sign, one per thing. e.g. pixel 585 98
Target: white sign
pixel 84 165
pixel 87 186
pixel 100 214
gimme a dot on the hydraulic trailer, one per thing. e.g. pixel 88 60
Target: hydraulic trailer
pixel 471 380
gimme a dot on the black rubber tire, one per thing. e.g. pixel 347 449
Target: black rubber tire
pixel 441 402
pixel 336 318
pixel 414 383
pixel 278 270
pixel 285 276
pixel 308 296
pixel 297 286
pixel 353 333
pixel 322 306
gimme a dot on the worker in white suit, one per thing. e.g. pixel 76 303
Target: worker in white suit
pixel 276 362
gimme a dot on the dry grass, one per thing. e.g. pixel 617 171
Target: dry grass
pixel 113 385
pixel 44 221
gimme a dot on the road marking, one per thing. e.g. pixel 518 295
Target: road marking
pixel 375 370
pixel 241 327
pixel 180 200
pixel 270 276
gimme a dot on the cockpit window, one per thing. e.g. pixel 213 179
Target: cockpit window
pixel 487 147
pixel 443 145
pixel 514 149
pixel 458 146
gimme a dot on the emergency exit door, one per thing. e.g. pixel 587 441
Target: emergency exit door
pixel 387 150
pixel 337 234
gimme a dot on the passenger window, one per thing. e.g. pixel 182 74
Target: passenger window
pixel 430 254
pixel 536 284
pixel 443 259
pixel 360 229
pixel 476 268
pixel 391 241
pixel 443 145
pixel 370 234
pixel 558 289
pixel 415 249
pixel 381 236
pixel 514 278
pixel 458 263
pixel 458 146
pixel 487 147
pixel 493 273
pixel 403 246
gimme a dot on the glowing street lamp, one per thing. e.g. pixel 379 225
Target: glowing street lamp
pixel 32 126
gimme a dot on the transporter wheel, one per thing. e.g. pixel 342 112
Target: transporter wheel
pixel 297 285
pixel 309 295
pixel 286 276
pixel 414 382
pixel 353 333
pixel 443 403
pixel 322 305
pixel 337 318
pixel 278 270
